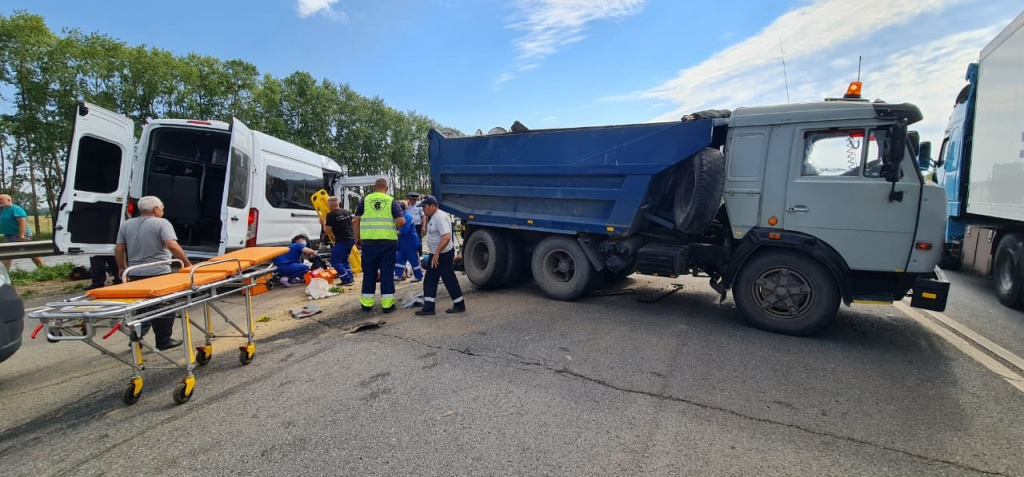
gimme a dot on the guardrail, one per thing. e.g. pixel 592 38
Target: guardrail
pixel 38 248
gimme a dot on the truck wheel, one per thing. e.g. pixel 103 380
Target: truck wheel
pixel 1006 270
pixel 561 268
pixel 950 262
pixel 699 184
pixel 786 292
pixel 486 258
pixel 516 268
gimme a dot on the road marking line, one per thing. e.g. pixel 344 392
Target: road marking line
pixel 1016 380
pixel 1003 353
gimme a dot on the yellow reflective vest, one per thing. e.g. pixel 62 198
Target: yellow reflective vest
pixel 377 223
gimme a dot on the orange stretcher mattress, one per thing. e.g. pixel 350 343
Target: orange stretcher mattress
pixel 247 257
pixel 154 287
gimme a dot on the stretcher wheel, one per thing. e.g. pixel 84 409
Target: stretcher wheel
pixel 128 396
pixel 202 358
pixel 244 358
pixel 179 394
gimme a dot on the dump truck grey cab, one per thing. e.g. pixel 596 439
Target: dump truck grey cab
pixel 796 208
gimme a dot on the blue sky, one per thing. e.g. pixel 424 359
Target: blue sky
pixel 557 63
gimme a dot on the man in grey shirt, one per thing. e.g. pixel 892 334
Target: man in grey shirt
pixel 150 238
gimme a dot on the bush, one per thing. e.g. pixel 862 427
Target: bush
pixel 61 271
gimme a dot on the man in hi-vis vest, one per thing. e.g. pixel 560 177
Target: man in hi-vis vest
pixel 376 225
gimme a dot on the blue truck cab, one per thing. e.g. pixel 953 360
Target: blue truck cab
pixel 796 208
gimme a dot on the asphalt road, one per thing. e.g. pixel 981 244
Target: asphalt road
pixel 973 302
pixel 525 385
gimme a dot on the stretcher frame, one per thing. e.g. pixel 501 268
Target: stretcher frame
pixel 128 316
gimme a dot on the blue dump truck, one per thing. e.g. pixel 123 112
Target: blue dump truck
pixel 981 166
pixel 795 208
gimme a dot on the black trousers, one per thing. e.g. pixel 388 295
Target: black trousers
pixel 163 326
pixel 100 266
pixel 445 271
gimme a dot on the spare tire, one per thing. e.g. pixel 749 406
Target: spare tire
pixel 699 183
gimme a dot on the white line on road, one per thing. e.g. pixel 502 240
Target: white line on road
pixel 1016 380
pixel 1003 353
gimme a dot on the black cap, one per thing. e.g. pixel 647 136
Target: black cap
pixel 428 199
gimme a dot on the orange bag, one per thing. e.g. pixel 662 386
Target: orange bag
pixel 328 274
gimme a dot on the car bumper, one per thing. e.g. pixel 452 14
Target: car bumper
pixel 930 292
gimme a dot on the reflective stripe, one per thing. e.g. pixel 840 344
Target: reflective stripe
pixel 457 300
pixel 367 295
pixel 377 223
pixel 390 295
pixel 429 300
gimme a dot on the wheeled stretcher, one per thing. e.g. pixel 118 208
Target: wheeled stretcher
pixel 131 305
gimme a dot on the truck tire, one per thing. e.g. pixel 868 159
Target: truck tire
pixel 1006 270
pixel 786 292
pixel 517 267
pixel 486 258
pixel 561 268
pixel 699 183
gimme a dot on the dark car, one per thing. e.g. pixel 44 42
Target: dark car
pixel 12 316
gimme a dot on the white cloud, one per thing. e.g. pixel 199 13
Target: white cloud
pixel 308 8
pixel 550 25
pixel 902 62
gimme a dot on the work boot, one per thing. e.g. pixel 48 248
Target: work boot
pixel 172 343
pixel 390 309
pixel 456 309
pixel 425 312
pixel 367 309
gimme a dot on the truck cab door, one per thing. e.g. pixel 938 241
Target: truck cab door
pixel 239 221
pixel 92 204
pixel 836 194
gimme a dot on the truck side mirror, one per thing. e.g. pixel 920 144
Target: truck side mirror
pixel 924 155
pixel 895 149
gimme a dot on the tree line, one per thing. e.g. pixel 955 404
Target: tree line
pixel 43 74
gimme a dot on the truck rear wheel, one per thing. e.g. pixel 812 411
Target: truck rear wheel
pixel 699 183
pixel 1006 270
pixel 561 268
pixel 486 258
pixel 517 268
pixel 786 292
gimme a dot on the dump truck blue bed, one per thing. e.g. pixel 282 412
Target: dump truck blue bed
pixel 560 180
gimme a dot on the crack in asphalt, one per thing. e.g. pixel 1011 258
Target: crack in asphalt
pixel 540 363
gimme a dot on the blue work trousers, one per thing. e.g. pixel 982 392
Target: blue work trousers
pixel 339 260
pixel 378 260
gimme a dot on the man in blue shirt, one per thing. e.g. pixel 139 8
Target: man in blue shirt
pixel 14 226
pixel 290 266
pixel 408 248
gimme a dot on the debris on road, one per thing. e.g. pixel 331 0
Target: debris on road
pixel 306 311
pixel 263 319
pixel 659 293
pixel 364 325
pixel 622 291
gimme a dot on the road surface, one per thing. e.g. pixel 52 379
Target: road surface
pixel 523 385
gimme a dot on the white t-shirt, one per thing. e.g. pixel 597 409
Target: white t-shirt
pixel 417 214
pixel 439 225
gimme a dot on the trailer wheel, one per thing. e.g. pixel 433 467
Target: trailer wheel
pixel 786 292
pixel 561 268
pixel 699 184
pixel 1006 270
pixel 486 258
